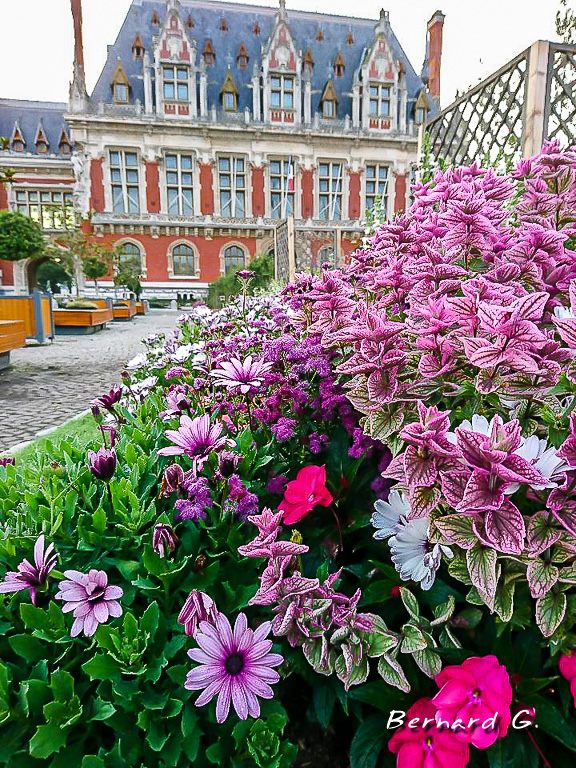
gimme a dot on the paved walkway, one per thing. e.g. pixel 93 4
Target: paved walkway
pixel 48 384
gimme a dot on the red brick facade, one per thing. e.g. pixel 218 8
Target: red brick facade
pixel 96 185
pixel 307 180
pixel 354 205
pixel 400 193
pixel 258 202
pixel 152 187
pixel 206 189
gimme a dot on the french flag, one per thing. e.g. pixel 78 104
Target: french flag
pixel 290 178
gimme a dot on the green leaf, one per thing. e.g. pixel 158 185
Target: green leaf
pixel 47 740
pixel 551 720
pixel 101 667
pixel 429 662
pixel 457 529
pixel 92 761
pixel 62 685
pixel 504 602
pixel 444 611
pixel 149 620
pixel 324 700
pixel 413 639
pixel 481 562
pixel 541 577
pixel 410 603
pixel 34 618
pixel 102 710
pixel 392 673
pixel 27 646
pixel 99 522
pixel 550 611
pixel 368 742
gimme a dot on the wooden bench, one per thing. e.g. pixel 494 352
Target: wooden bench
pixel 12 336
pixel 75 321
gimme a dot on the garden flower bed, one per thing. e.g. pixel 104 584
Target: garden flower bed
pixel 334 527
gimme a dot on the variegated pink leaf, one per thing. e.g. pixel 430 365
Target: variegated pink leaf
pixel 505 529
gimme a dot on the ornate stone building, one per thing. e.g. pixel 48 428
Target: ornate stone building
pixel 211 122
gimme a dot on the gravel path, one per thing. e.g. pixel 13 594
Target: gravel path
pixel 48 384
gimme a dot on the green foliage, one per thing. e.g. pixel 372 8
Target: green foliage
pixel 127 275
pixel 20 237
pixel 229 285
pixel 50 275
pixel 566 22
pixel 80 304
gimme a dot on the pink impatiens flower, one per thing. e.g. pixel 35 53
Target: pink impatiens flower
pixel 90 598
pixel 304 493
pixel 235 664
pixel 567 666
pixel 474 699
pixel 426 745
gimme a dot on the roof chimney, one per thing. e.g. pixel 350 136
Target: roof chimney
pixel 78 93
pixel 434 54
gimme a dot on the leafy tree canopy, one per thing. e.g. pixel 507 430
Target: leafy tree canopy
pixel 229 285
pixel 20 237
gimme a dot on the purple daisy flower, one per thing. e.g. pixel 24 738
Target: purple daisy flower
pixel 245 375
pixel 90 598
pixel 197 438
pixel 31 576
pixel 236 665
pixel 5 460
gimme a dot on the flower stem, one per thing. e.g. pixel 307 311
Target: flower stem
pixel 339 529
pixel 110 497
pixel 537 748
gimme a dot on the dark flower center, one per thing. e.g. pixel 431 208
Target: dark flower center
pixel 234 663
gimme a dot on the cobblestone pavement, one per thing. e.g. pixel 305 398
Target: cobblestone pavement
pixel 48 384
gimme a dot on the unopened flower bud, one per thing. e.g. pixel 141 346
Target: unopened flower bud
pixel 164 539
pixel 102 463
pixel 198 607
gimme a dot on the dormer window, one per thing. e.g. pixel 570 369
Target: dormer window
pixel 282 92
pixel 242 57
pixel 256 29
pixel 229 94
pixel 120 85
pixel 308 63
pixel 120 93
pixel 42 147
pixel 18 145
pixel 155 19
pixel 190 21
pixel 329 101
pixel 208 54
pixel 137 48
pixel 319 35
pixel 175 82
pixel 379 100
pixel 223 25
pixel 339 65
pixel 350 38
pixel 65 148
pixel 422 108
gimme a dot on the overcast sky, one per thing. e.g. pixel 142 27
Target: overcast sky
pixel 479 37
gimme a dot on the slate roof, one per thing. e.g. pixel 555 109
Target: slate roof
pixel 240 18
pixel 29 115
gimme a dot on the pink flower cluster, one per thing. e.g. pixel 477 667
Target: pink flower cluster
pixel 471 707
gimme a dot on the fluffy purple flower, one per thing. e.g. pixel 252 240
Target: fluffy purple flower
pixel 164 539
pixel 194 508
pixel 235 374
pixel 237 665
pixel 31 576
pixel 196 438
pixel 5 460
pixel 175 372
pixel 277 484
pixel 90 599
pixel 102 463
pixel 198 607
pixel 284 429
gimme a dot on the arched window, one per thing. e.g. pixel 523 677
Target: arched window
pixel 234 258
pixel 130 253
pixel 183 260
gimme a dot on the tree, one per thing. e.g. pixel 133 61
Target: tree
pixel 127 275
pixel 96 259
pixel 50 275
pixel 566 23
pixel 229 285
pixel 6 174
pixel 20 237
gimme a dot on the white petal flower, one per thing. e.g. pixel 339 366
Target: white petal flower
pixel 563 313
pixel 388 514
pixel 137 362
pixel 413 555
pixel 543 458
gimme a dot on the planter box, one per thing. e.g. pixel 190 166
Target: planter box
pixel 124 312
pixel 75 321
pixel 142 307
pixel 12 336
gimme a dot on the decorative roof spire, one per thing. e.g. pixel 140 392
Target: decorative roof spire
pixel 78 92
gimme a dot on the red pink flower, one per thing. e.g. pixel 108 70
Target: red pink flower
pixel 567 667
pixel 304 493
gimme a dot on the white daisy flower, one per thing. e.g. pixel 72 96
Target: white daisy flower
pixel 137 362
pixel 413 555
pixel 388 514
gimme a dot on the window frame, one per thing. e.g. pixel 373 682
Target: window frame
pixel 176 82
pixel 377 180
pixel 282 91
pixel 380 98
pixel 232 189
pixel 282 175
pixel 195 272
pixel 331 114
pixel 229 246
pixel 123 241
pixel 125 184
pixel 179 184
pixel 332 194
pixel 117 98
pixel 46 208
